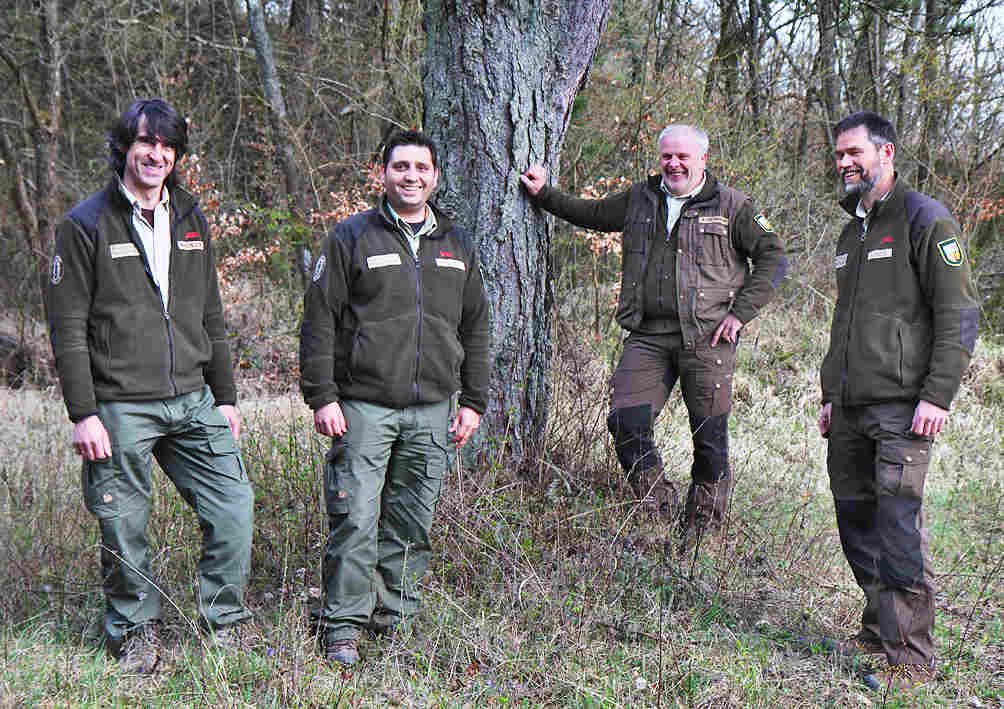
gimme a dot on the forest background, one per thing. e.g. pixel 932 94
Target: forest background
pixel 549 588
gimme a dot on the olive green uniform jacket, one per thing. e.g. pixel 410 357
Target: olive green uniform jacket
pixel 111 336
pixel 381 326
pixel 907 312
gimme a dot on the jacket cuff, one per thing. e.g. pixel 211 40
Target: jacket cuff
pixel 474 404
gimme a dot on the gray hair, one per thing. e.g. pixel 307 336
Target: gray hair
pixel 699 135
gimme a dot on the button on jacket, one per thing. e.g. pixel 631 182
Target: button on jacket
pixel 907 314
pixel 111 335
pixel 383 326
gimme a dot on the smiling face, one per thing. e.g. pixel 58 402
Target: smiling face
pixel 681 161
pixel 410 178
pixel 148 162
pixel 864 168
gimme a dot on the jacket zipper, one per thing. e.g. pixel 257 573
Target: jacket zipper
pixel 418 307
pixel 845 375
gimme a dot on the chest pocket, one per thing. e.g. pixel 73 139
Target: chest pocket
pixel 712 241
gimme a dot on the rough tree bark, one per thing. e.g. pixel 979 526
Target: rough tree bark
pixel 499 84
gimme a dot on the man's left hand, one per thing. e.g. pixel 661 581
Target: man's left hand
pixel 233 417
pixel 465 425
pixel 928 419
pixel 728 330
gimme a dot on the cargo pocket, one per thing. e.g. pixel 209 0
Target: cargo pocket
pixel 336 469
pixel 902 467
pixel 106 492
pixel 901 471
pixel 219 444
pixel 712 371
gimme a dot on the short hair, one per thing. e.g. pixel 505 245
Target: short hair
pixel 699 135
pixel 162 122
pixel 410 137
pixel 880 130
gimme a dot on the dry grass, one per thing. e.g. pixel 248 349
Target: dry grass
pixel 546 590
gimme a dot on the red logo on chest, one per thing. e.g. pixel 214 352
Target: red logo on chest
pixel 446 254
pixel 887 240
pixel 192 235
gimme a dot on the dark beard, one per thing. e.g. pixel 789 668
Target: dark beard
pixel 862 186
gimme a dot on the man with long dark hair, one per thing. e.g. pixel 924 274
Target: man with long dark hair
pixel 137 330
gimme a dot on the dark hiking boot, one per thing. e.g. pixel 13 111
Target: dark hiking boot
pixel 863 643
pixel 139 653
pixel 344 651
pixel 901 677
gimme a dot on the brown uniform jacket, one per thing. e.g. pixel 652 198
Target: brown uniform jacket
pixel 717 235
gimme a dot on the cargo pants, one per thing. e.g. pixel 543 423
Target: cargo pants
pixel 382 483
pixel 877 470
pixel 192 442
pixel 648 370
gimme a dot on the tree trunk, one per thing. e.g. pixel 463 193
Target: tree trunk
pixel 277 118
pixel 499 84
pixel 827 11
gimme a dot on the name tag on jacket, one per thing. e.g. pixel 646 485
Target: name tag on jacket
pixel 383 260
pixel 123 250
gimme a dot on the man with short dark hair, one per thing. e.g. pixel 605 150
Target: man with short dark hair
pixel 137 330
pixel 395 322
pixel 686 291
pixel 904 328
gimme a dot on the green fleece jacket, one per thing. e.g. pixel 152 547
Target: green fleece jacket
pixel 381 326
pixel 907 313
pixel 110 334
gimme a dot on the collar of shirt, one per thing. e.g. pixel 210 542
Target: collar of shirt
pixel 684 197
pixel 414 237
pixel 165 198
pixel 865 214
pixel 674 203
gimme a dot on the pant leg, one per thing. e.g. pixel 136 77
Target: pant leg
pixel 117 491
pixel 355 473
pixel 202 459
pixel 906 591
pixel 414 482
pixel 850 461
pixel 706 375
pixel 640 386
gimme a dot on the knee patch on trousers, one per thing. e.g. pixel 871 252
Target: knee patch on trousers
pixel 711 448
pixel 631 428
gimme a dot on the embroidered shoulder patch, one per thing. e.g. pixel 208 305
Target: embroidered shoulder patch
pixel 951 251
pixel 762 222
pixel 56 275
pixel 319 268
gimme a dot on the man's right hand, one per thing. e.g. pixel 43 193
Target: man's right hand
pixel 825 418
pixel 90 439
pixel 329 420
pixel 534 178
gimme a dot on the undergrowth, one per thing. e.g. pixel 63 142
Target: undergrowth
pixel 547 589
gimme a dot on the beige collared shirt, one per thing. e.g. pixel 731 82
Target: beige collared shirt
pixel 674 204
pixel 414 237
pixel 156 237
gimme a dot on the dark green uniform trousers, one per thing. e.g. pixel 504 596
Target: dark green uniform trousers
pixel 648 370
pixel 192 442
pixel 877 471
pixel 382 483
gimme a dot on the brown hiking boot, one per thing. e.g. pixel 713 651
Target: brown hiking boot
pixel 902 677
pixel 344 651
pixel 863 643
pixel 140 651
